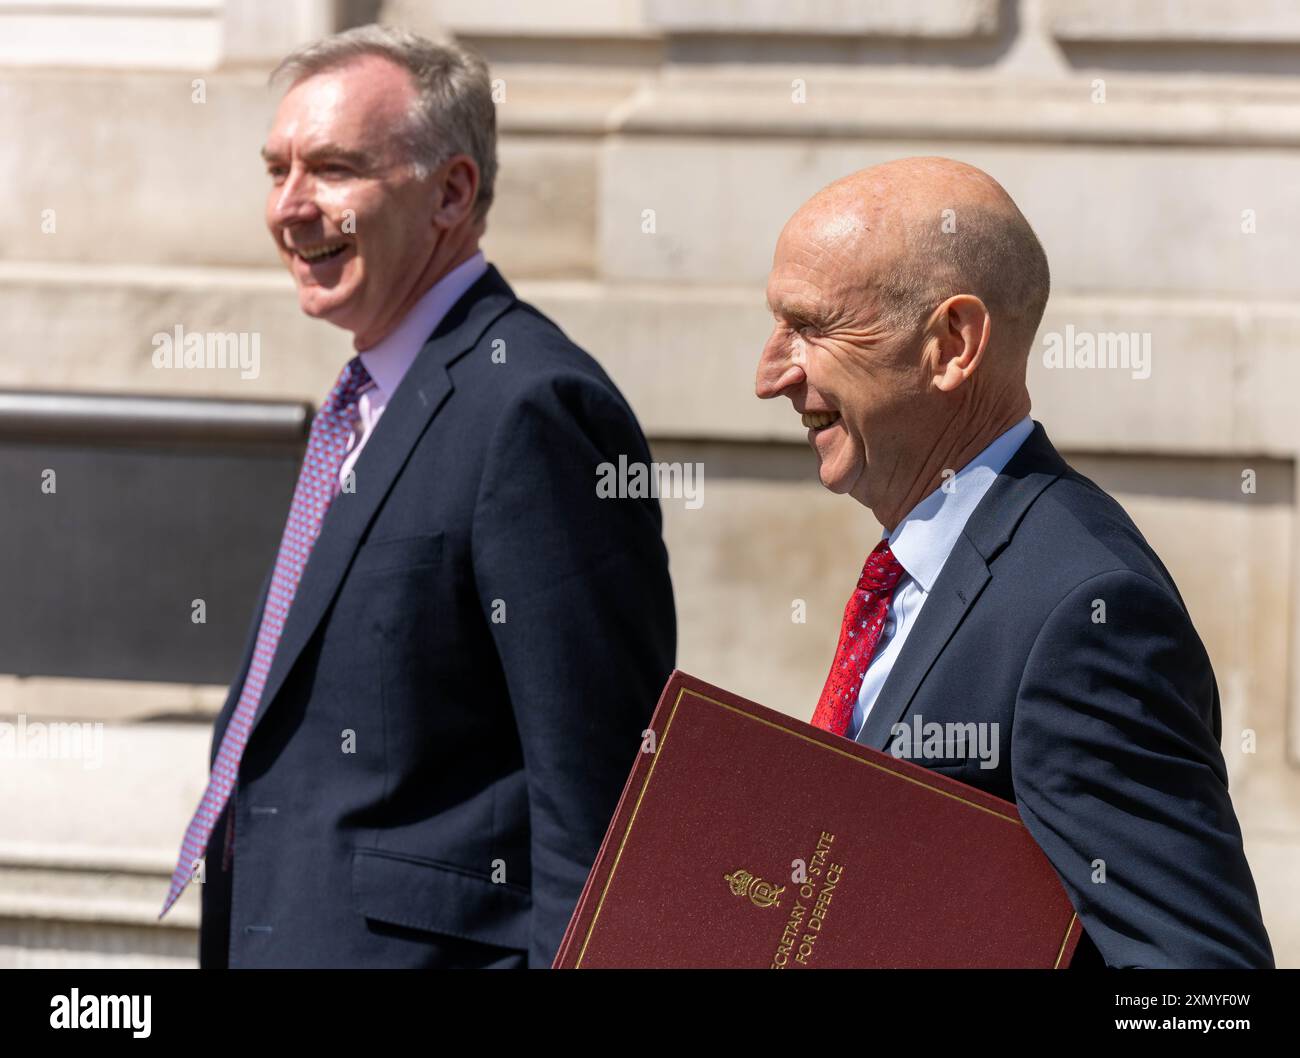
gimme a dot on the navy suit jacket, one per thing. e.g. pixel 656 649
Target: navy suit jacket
pixel 471 657
pixel 1107 730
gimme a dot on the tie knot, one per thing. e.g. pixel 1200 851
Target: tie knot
pixel 353 379
pixel 882 570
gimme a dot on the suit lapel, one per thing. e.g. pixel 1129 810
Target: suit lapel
pixel 419 397
pixel 1035 465
pixel 955 591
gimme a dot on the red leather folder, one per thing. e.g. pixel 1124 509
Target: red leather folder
pixel 901 866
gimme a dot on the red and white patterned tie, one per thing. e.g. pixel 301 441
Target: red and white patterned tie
pixel 317 484
pixel 864 617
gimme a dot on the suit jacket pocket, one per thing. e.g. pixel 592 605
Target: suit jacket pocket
pixel 400 552
pixel 438 897
pixel 953 754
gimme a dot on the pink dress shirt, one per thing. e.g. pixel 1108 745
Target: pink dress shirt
pixel 390 359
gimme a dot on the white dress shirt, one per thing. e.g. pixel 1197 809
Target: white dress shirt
pixel 388 360
pixel 922 542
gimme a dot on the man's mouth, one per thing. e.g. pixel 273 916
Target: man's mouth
pixel 819 420
pixel 321 251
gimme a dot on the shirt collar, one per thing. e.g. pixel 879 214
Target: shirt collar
pixel 389 359
pixel 924 539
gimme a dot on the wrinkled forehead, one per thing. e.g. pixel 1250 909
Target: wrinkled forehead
pixel 830 246
pixel 359 105
pixel 850 223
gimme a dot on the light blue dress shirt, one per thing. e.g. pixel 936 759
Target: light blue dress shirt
pixel 922 542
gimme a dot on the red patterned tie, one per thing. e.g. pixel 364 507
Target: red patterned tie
pixel 317 483
pixel 864 617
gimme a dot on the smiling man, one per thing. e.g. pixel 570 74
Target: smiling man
pixel 460 642
pixel 1010 596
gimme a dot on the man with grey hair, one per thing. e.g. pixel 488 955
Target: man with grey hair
pixel 460 642
pixel 1010 597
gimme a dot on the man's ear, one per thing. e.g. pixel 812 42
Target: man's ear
pixel 959 332
pixel 457 182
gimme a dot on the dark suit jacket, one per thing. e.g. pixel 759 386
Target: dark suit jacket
pixel 1108 733
pixel 427 784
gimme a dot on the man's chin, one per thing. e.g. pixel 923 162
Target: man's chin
pixel 838 475
pixel 833 480
pixel 318 308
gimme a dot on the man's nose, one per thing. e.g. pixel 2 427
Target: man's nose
pixel 294 200
pixel 779 368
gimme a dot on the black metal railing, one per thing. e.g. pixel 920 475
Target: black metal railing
pixel 135 531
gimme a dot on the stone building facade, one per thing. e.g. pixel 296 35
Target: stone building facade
pixel 650 152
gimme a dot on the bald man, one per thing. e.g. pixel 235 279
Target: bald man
pixel 1011 601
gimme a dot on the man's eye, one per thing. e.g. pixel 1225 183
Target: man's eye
pixel 275 172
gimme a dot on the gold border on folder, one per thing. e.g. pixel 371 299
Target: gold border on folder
pixel 663 742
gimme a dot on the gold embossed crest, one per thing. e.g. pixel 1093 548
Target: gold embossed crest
pixel 760 893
